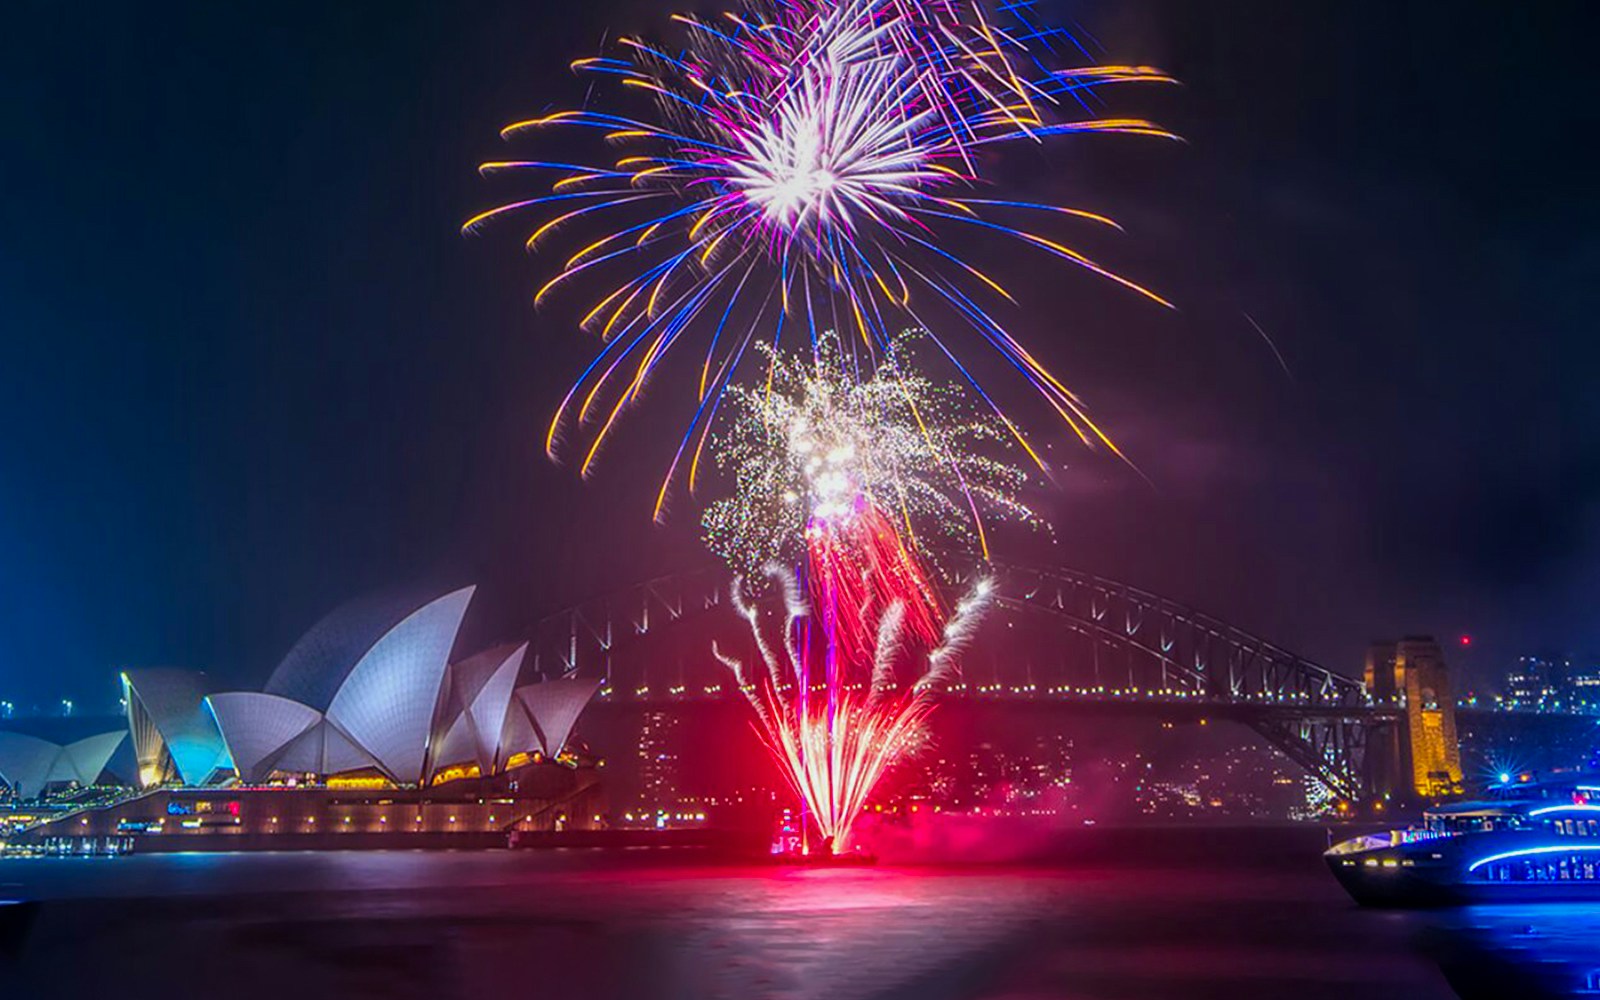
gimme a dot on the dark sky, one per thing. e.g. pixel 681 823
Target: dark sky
pixel 249 369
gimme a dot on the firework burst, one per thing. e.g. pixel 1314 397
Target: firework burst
pixel 821 443
pixel 802 159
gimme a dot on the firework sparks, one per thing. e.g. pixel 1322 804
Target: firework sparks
pixel 804 159
pixel 801 158
pixel 859 568
pixel 809 451
pixel 836 734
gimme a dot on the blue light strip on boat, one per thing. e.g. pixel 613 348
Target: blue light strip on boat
pixel 1566 808
pixel 1529 851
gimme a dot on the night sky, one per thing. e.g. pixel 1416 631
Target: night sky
pixel 249 368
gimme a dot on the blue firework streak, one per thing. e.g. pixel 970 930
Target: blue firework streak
pixel 805 156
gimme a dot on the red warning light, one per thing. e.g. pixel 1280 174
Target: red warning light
pixel 1466 640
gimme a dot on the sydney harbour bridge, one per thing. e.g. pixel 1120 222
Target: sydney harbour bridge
pixel 1058 641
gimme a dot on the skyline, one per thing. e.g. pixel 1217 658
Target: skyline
pixel 252 365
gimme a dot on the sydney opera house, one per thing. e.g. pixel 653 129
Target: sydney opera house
pixel 369 730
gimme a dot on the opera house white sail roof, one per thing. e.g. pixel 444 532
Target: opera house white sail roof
pixel 174 732
pixel 371 688
pixel 473 709
pixel 260 728
pixel 542 715
pixel 386 704
pixel 29 764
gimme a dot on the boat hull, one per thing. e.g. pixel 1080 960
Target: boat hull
pixel 1405 890
pixel 1445 873
pixel 1393 889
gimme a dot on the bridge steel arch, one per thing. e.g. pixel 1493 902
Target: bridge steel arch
pixel 1115 643
pixel 1133 646
pixel 584 637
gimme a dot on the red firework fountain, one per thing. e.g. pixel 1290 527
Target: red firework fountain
pixel 830 705
pixel 858 567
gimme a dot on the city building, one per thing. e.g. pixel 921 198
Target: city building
pixel 1531 681
pixel 1549 682
pixel 660 792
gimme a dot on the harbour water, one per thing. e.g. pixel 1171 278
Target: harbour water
pixel 1236 914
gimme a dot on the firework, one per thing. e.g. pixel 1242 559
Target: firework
pixel 801 159
pixel 858 568
pixel 973 54
pixel 836 734
pixel 813 448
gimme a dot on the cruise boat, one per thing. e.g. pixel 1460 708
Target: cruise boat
pixel 1535 840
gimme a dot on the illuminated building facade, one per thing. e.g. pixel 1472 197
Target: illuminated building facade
pixel 370 695
pixel 1533 681
pixel 367 718
pixel 1426 748
pixel 659 766
pixel 1549 682
pixel 1583 682
pixel 532 800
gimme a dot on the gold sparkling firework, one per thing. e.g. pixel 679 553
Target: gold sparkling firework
pixel 819 440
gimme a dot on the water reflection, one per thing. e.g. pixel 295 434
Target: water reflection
pixel 1533 951
pixel 1233 915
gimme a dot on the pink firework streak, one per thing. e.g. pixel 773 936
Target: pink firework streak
pixel 836 731
pixel 859 567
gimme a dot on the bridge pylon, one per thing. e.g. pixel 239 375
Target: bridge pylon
pixel 1421 756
